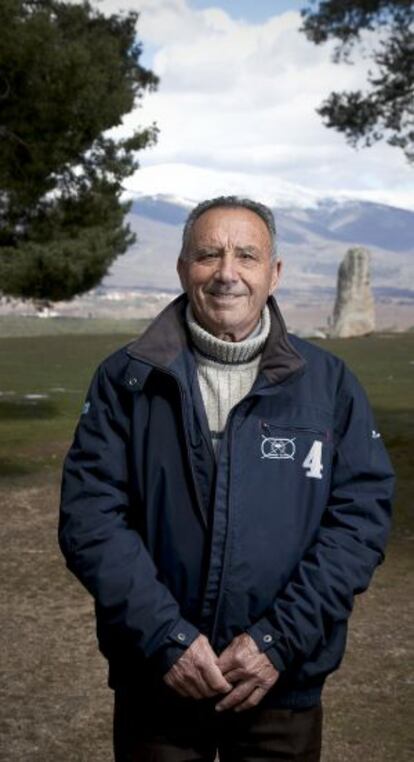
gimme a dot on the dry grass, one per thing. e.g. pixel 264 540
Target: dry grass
pixel 54 701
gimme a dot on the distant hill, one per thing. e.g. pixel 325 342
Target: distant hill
pixel 311 242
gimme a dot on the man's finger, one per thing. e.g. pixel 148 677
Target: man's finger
pixel 188 686
pixel 252 700
pixel 225 661
pixel 233 675
pixel 215 679
pixel 176 688
pixel 205 681
pixel 193 690
pixel 206 686
pixel 237 695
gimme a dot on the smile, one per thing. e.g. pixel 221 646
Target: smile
pixel 225 296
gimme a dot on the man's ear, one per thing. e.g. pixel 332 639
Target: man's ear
pixel 181 270
pixel 276 274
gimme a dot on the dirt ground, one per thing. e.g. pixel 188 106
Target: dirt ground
pixel 54 702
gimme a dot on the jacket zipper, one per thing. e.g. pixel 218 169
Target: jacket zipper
pixel 186 436
pixel 269 427
pixel 227 539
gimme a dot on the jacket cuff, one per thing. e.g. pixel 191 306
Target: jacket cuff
pixel 167 657
pixel 178 640
pixel 266 639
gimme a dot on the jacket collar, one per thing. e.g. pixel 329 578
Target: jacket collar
pixel 165 343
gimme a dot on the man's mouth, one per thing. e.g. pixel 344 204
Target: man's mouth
pixel 220 295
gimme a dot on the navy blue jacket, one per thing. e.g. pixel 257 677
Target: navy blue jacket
pixel 276 540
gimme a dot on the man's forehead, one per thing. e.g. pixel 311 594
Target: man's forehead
pixel 239 223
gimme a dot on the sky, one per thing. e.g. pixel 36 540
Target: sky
pixel 239 85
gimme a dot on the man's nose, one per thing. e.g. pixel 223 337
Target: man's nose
pixel 227 268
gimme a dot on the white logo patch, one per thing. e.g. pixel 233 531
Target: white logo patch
pixel 278 448
pixel 375 434
pixel 85 408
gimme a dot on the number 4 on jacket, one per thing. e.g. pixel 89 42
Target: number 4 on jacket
pixel 313 461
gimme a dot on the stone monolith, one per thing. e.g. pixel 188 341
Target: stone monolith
pixel 354 311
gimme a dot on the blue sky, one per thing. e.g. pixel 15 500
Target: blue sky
pixel 251 11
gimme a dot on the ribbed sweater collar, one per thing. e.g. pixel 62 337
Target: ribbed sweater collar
pixel 229 352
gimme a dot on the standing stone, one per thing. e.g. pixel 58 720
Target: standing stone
pixel 354 311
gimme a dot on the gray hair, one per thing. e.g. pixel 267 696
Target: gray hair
pixel 230 202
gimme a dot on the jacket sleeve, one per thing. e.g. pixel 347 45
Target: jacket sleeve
pixel 101 547
pixel 349 544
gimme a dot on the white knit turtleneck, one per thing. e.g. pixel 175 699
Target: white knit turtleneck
pixel 226 369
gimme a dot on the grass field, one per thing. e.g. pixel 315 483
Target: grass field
pixel 54 704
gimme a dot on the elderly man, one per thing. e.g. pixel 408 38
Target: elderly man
pixel 225 497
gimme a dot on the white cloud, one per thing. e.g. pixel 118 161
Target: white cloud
pixel 241 98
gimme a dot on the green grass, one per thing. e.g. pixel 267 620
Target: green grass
pixel 34 433
pixel 22 325
pixel 385 366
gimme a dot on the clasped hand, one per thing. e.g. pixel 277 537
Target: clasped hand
pixel 242 672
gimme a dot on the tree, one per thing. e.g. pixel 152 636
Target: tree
pixel 67 75
pixel 386 109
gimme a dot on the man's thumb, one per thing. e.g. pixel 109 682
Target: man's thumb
pixel 216 679
pixel 224 661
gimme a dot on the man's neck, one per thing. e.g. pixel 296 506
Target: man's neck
pixel 224 351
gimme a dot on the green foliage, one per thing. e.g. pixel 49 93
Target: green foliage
pixel 68 74
pixel 386 109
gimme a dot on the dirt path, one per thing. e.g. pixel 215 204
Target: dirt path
pixel 54 701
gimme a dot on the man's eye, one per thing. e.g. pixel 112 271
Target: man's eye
pixel 207 255
pixel 246 255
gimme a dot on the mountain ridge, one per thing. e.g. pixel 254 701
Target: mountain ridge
pixel 312 241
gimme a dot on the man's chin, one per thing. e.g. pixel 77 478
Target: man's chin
pixel 222 322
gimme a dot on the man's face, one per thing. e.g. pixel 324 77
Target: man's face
pixel 227 271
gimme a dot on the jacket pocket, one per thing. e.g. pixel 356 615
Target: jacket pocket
pixel 271 428
pixel 310 446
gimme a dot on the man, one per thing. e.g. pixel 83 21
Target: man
pixel 226 496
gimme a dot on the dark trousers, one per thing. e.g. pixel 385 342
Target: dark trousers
pixel 169 728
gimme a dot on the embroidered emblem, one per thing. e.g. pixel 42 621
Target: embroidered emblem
pixel 278 448
pixel 375 434
pixel 85 408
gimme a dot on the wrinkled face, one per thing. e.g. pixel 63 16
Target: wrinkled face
pixel 227 271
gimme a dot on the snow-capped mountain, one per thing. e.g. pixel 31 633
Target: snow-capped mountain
pixel 189 184
pixel 312 241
